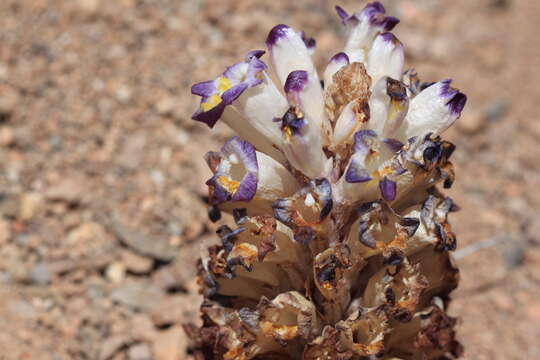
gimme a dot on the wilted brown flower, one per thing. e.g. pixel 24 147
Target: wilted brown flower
pixel 341 249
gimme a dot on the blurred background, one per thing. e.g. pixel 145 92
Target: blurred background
pixel 102 196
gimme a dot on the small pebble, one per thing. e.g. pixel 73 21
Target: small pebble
pixel 116 272
pixel 139 352
pixel 39 274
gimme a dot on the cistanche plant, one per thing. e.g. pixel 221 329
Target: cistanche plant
pixel 341 249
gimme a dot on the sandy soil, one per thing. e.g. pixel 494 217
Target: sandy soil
pixel 102 196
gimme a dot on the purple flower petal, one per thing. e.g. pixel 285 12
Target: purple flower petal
pixel 375 12
pixel 360 140
pixel 255 66
pixel 240 77
pixel 446 90
pixel 364 235
pixel 375 7
pixel 226 184
pixel 233 93
pixel 234 72
pixel 389 37
pixel 244 150
pixel 296 81
pixel 311 43
pixel 247 189
pixel 292 122
pixel 356 172
pixel 388 189
pixel 221 194
pixel 254 54
pixel 282 209
pixel 323 189
pixel 204 89
pixel 211 116
pixel 342 14
pixel 389 23
pixel 457 103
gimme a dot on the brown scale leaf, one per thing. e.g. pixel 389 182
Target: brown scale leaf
pixel 350 83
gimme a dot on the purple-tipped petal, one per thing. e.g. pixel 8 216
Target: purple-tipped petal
pixel 310 42
pixel 457 103
pixel 288 52
pixel 386 57
pixel 255 66
pixel 337 62
pixel 374 8
pixel 277 32
pixel 254 54
pixel 342 14
pixel 356 171
pixel 340 58
pixel 375 12
pixel 296 81
pixel 389 23
pixel 434 109
pixel 388 189
pixel 363 27
pixel 389 37
pixel 446 91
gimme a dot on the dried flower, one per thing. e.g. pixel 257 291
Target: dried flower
pixel 341 249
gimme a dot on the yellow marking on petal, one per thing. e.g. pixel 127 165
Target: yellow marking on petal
pixel 248 252
pixel 379 174
pixel 326 285
pixel 224 84
pixel 230 185
pixel 396 107
pixel 287 132
pixel 212 102
pixel 282 332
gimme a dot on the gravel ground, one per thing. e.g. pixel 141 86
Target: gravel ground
pixel 102 196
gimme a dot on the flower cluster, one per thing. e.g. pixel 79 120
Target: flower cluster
pixel 341 246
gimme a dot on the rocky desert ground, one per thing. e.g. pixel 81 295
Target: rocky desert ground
pixel 102 196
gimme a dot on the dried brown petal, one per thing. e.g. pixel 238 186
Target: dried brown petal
pixel 350 83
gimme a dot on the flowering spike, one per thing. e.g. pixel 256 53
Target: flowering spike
pixel 342 243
